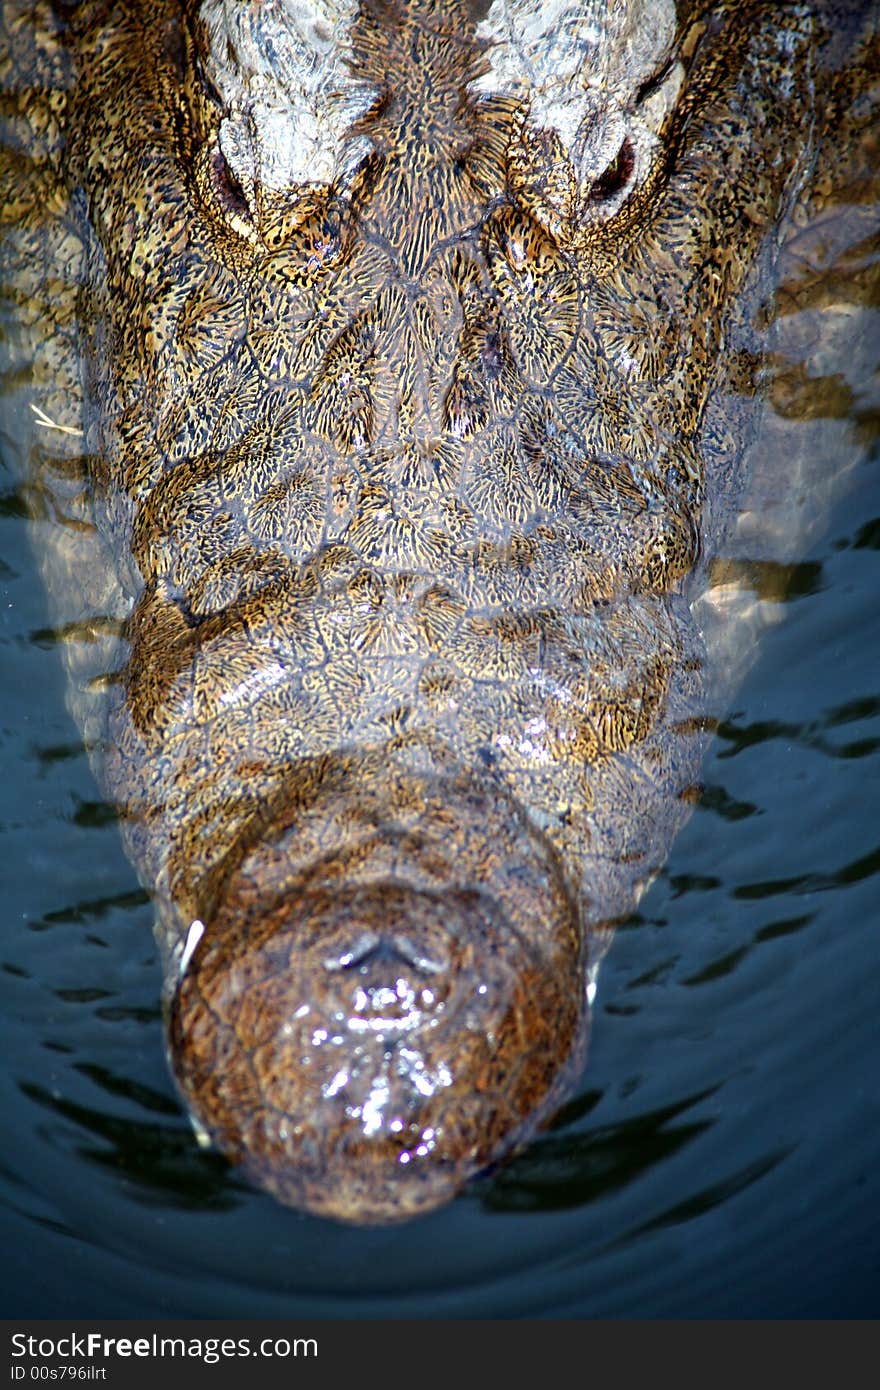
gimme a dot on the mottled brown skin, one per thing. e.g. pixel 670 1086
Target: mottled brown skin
pixel 386 517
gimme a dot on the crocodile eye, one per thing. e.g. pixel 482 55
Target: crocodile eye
pixel 230 194
pixel 207 85
pixel 616 175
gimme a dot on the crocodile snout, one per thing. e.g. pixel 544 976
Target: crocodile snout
pixel 372 1039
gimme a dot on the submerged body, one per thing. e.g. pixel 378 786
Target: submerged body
pixel 390 469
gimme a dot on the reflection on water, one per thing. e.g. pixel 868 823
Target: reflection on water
pixel 159 1160
pixel 581 1167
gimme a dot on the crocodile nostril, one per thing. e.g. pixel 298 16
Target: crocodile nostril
pixel 433 963
pixel 357 954
pixel 372 949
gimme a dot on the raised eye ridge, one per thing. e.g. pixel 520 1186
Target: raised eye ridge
pixel 616 175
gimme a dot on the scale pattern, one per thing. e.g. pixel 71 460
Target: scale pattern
pixel 378 508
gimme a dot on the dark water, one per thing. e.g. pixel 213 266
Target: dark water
pixel 722 1155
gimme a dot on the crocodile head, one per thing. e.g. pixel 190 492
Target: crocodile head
pixel 416 394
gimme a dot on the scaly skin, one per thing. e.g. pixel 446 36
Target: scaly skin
pixel 379 509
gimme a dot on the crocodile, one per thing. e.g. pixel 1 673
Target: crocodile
pixel 398 372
